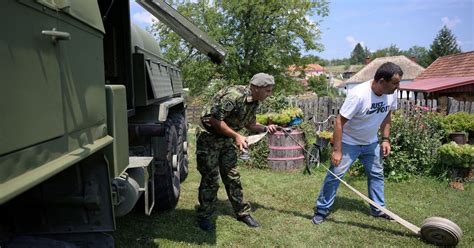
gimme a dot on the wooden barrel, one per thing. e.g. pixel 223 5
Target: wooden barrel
pixel 285 154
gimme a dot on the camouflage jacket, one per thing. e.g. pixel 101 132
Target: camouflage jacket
pixel 233 105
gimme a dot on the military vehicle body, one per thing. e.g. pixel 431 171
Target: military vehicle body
pixel 92 118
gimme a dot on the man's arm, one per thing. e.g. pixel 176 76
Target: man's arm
pixel 385 127
pixel 222 128
pixel 337 137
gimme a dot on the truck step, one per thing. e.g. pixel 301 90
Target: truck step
pixel 137 162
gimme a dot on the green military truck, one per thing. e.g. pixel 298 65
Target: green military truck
pixel 92 119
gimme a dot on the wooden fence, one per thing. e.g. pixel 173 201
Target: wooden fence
pixel 319 109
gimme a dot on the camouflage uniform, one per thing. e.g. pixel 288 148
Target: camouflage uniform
pixel 217 154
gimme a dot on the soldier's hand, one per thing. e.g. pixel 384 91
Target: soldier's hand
pixel 273 128
pixel 241 142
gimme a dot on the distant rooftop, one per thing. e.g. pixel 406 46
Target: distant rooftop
pixel 410 69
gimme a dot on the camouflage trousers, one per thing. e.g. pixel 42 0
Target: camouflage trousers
pixel 217 155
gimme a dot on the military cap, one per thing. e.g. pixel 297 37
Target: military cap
pixel 262 80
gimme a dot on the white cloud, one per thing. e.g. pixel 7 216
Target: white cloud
pixel 144 18
pixel 450 22
pixel 353 42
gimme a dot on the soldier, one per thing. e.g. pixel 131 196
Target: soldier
pixel 228 112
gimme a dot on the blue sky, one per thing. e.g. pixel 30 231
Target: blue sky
pixel 377 24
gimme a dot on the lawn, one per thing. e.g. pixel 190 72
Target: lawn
pixel 283 204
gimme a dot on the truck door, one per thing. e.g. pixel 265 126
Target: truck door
pixel 30 95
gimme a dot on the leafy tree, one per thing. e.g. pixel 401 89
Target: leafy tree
pixel 320 85
pixel 444 44
pixel 358 54
pixel 392 50
pixel 420 54
pixel 260 36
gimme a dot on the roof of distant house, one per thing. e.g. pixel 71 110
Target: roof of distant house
pixel 410 69
pixel 456 65
pixel 308 67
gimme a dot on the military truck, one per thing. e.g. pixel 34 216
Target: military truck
pixel 92 118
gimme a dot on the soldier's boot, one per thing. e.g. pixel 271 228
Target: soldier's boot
pixel 247 219
pixel 206 224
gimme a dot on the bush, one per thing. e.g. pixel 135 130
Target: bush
pixel 454 155
pixel 458 122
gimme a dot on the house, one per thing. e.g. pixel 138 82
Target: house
pixel 448 76
pixel 409 67
pixel 310 70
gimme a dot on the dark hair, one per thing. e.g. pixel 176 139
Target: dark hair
pixel 387 70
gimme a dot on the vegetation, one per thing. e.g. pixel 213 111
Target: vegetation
pixel 444 44
pixel 320 86
pixel 283 203
pixel 454 155
pixel 260 36
pixel 458 122
pixel 358 55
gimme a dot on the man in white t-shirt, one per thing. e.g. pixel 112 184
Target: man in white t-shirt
pixel 366 109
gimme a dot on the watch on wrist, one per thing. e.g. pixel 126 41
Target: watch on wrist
pixel 385 139
pixel 265 129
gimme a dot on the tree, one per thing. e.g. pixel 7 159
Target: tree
pixel 420 54
pixel 444 44
pixel 358 55
pixel 260 36
pixel 392 50
pixel 320 85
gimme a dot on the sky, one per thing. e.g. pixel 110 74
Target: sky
pixel 377 24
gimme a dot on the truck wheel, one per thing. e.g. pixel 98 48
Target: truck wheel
pixel 167 182
pixel 181 129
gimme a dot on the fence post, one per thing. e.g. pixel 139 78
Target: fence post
pixel 453 105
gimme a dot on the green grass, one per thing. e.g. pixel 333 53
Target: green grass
pixel 283 203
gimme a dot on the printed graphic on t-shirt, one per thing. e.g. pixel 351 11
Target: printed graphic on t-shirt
pixel 378 107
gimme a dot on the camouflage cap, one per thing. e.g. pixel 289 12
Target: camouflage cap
pixel 262 80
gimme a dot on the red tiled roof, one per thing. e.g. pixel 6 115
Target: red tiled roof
pixel 436 84
pixel 457 65
pixel 308 67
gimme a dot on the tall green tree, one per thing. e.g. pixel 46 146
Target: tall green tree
pixel 444 44
pixel 260 36
pixel 420 54
pixel 392 50
pixel 358 54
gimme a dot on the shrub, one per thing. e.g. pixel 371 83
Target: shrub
pixel 458 122
pixel 454 155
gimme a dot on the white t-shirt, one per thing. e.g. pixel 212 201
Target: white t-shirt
pixel 365 112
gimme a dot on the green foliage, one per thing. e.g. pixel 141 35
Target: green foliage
pixel 458 122
pixel 325 134
pixel 444 44
pixel 454 155
pixel 392 50
pixel 259 36
pixel 309 133
pixel 282 118
pixel 358 55
pixel 414 141
pixel 420 54
pixel 274 103
pixel 321 87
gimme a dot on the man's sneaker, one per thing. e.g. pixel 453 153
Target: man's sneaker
pixel 205 224
pixel 247 219
pixel 384 216
pixel 318 219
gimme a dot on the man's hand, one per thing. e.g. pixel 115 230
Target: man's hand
pixel 273 128
pixel 386 148
pixel 336 157
pixel 241 142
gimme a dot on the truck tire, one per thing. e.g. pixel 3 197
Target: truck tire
pixel 181 128
pixel 167 182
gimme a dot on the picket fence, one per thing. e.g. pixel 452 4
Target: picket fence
pixel 319 109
